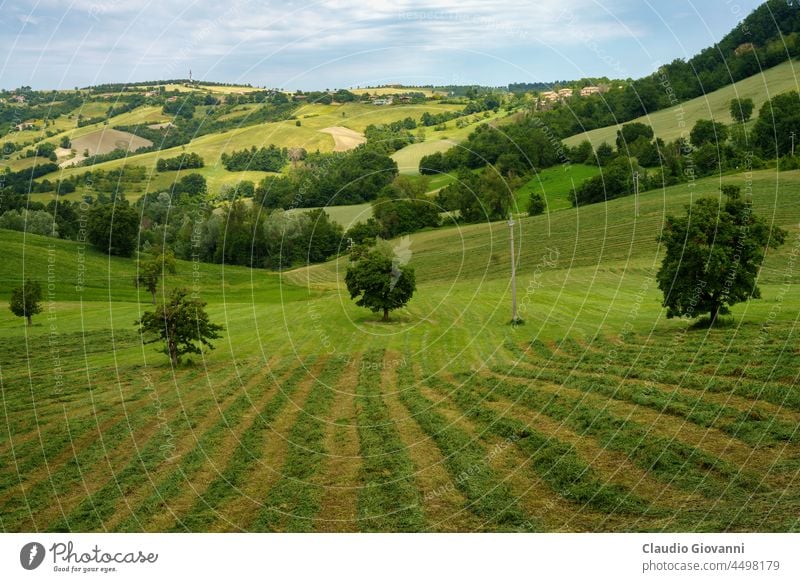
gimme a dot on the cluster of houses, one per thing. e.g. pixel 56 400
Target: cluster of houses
pixel 550 97
pixel 389 100
pixel 18 98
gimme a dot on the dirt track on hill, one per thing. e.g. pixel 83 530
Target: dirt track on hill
pixel 344 139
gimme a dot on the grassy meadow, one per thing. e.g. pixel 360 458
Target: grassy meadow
pixel 597 414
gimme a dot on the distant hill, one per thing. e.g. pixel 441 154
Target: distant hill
pixel 669 124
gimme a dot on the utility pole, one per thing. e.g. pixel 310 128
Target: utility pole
pixel 513 273
pixel 636 193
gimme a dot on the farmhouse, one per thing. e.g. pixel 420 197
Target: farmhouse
pixel 386 101
pixel 591 90
pixel 24 126
pixel 565 93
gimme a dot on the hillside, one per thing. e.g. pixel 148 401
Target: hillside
pixel 667 125
pixel 591 409
pixel 309 135
pixel 415 403
pixel 594 237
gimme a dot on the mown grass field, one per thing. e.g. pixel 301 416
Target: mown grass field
pixel 598 414
pixel 670 124
pixel 554 184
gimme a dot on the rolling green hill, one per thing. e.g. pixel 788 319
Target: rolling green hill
pixel 598 414
pixel 313 118
pixel 669 124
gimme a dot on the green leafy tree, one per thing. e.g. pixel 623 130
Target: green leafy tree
pixel 630 132
pixel 777 120
pixel 26 301
pixel 380 279
pixel 151 269
pixel 181 323
pixel 742 109
pixel 605 154
pixel 707 131
pixel 713 255
pixel 536 204
pixel 113 228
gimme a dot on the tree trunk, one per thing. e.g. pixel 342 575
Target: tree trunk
pixel 714 313
pixel 173 354
pixel 30 323
pixel 385 314
pixel 153 293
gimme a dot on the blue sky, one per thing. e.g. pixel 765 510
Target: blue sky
pixel 343 43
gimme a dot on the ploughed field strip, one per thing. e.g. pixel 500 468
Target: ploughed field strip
pixel 605 434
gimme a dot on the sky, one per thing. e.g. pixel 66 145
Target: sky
pixel 61 44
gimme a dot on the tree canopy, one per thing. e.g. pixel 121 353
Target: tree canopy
pixel 742 109
pixel 181 323
pixel 151 269
pixel 380 278
pixel 113 228
pixel 713 255
pixel 26 301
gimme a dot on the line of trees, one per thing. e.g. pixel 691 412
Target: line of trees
pixel 182 162
pixel 265 159
pixel 332 179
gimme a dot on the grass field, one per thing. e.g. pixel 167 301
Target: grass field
pixel 597 415
pixel 348 215
pixel 392 90
pixel 554 184
pixel 669 124
pixel 409 157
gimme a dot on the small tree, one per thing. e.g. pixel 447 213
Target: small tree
pixel 741 109
pixel 380 279
pixel 151 270
pixel 26 301
pixel 536 204
pixel 713 255
pixel 181 323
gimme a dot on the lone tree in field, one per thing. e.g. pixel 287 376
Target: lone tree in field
pixel 26 301
pixel 181 323
pixel 151 270
pixel 380 278
pixel 713 255
pixel 741 109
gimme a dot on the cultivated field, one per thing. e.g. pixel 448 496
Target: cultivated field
pixel 106 140
pixel 598 414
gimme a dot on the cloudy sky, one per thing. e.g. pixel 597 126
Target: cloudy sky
pixel 345 43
